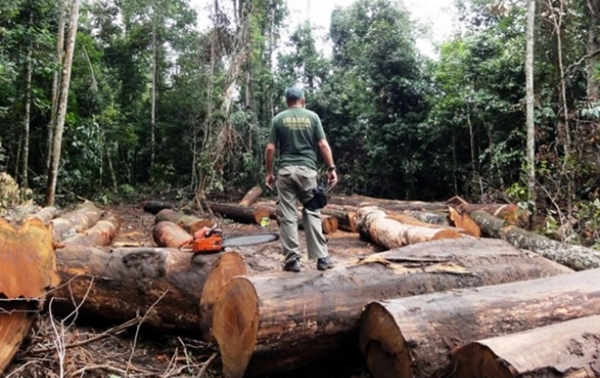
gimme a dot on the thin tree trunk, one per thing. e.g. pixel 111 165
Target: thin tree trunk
pixel 593 46
pixel 530 103
pixel 62 104
pixel 153 115
pixel 60 43
pixel 26 120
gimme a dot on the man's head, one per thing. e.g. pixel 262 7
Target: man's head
pixel 294 96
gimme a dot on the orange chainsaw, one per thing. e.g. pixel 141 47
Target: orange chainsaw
pixel 210 240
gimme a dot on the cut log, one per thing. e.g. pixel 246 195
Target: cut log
pixel 345 218
pixel 170 235
pixel 189 223
pixel 373 224
pixel 509 213
pixel 438 218
pixel 271 207
pixel 280 321
pixel 79 220
pixel 251 197
pixel 568 349
pixel 29 270
pixel 464 221
pixel 45 215
pixel 574 256
pixel 329 224
pixel 238 213
pixel 155 206
pixel 117 286
pixel 227 266
pixel 409 337
pixel 387 204
pixel 101 234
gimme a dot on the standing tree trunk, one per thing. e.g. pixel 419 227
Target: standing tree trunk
pixel 153 110
pixel 26 119
pixel 593 48
pixel 60 44
pixel 530 102
pixel 62 105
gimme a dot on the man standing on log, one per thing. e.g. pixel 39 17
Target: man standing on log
pixel 297 133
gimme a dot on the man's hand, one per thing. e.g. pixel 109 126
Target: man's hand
pixel 332 178
pixel 270 181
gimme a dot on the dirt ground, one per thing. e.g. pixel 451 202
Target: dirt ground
pixel 61 347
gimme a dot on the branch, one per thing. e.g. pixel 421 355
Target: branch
pixel 581 60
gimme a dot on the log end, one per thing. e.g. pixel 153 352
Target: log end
pixel 16 319
pixel 476 360
pixel 200 224
pixel 382 343
pixel 235 325
pixel 329 225
pixel 261 213
pixel 169 234
pixel 446 233
pixel 227 266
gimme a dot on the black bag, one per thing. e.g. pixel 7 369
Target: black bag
pixel 318 201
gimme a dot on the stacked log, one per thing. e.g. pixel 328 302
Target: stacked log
pixel 238 213
pixel 162 284
pixel 374 224
pixel 189 223
pixel 277 321
pixel 413 336
pixel 170 235
pixel 45 215
pixel 567 349
pixel 79 220
pixel 28 273
pixel 574 256
pixel 101 234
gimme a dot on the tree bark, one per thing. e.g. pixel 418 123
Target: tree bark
pixel 119 285
pixel 227 266
pixel 280 321
pixel 62 105
pixel 242 214
pixel 373 224
pixel 567 349
pixel 155 206
pixel 574 256
pixel 169 234
pixel 101 234
pixel 79 220
pixel 414 336
pixel 28 272
pixel 251 197
pixel 189 223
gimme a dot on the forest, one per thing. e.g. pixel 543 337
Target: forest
pixel 110 99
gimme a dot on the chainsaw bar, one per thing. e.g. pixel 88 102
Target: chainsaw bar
pixel 241 241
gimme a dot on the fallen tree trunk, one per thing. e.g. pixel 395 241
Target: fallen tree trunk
pixel 509 213
pixel 271 207
pixel 568 349
pixel 414 336
pixel 189 223
pixel 395 205
pixel 170 235
pixel 45 215
pixel 329 224
pixel 464 221
pixel 574 256
pixel 251 197
pixel 242 214
pixel 373 224
pixel 101 234
pixel 280 321
pixel 155 206
pixel 79 220
pixel 162 284
pixel 28 265
pixel 439 218
pixel 345 218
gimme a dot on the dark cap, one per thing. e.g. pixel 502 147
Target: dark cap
pixel 293 93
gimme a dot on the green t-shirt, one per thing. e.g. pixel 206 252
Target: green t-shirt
pixel 296 132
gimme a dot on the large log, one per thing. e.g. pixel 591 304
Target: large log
pixel 574 256
pixel 78 220
pixel 373 224
pixel 280 321
pixel 567 349
pixel 155 206
pixel 252 196
pixel 439 218
pixel 189 223
pixel 394 205
pixel 329 224
pixel 28 271
pixel 345 218
pixel 101 234
pixel 116 286
pixel 45 215
pixel 509 213
pixel 238 213
pixel 409 337
pixel 170 235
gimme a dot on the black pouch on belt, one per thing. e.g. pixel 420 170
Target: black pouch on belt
pixel 318 201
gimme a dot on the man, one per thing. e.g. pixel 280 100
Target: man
pixel 298 133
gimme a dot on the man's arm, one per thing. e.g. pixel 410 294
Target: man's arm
pixel 269 159
pixel 328 157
